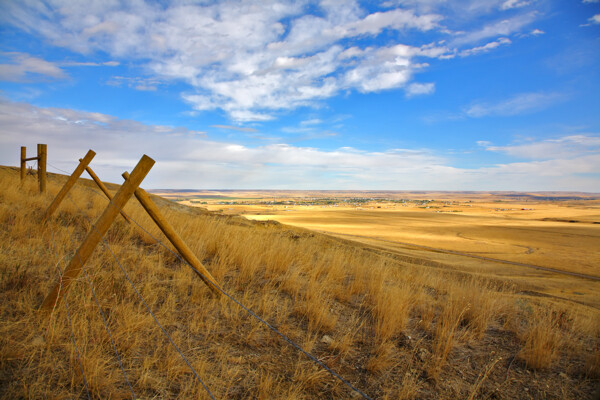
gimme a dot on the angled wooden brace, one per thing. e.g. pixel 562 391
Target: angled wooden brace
pixel 95 235
pixel 174 238
pixel 145 237
pixel 68 185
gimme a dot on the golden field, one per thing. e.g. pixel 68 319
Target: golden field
pixel 555 234
pixel 398 322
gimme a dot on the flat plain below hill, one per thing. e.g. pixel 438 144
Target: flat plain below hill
pixel 529 237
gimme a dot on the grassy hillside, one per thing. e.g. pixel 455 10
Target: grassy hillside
pixel 391 328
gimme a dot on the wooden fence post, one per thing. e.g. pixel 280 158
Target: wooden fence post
pixel 145 237
pixel 95 235
pixel 42 156
pixel 174 238
pixel 102 187
pixel 68 185
pixel 23 162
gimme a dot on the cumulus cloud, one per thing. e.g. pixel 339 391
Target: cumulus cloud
pixel 313 121
pixel 90 64
pixel 503 27
pixel 208 46
pixel 193 158
pixel 235 128
pixel 25 68
pixel 485 48
pixel 137 83
pixel 255 58
pixel 417 89
pixel 508 4
pixel 196 161
pixel 458 9
pixel 519 104
pixel 565 147
pixel 595 19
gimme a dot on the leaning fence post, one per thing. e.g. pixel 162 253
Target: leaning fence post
pixel 23 162
pixel 69 184
pixel 42 155
pixel 94 236
pixel 145 237
pixel 174 238
pixel 102 186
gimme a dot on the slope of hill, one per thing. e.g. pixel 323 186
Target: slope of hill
pixel 392 328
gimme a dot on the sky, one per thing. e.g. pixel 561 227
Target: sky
pixel 392 95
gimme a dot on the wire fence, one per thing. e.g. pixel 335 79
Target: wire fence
pixel 87 390
pixel 112 341
pixel 107 247
pixel 221 290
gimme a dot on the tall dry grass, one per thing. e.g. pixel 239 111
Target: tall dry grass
pixel 386 326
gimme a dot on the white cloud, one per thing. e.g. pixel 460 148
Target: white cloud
pixel 504 27
pixel 145 88
pixel 566 147
pixel 235 128
pixel 90 64
pixel 459 9
pixel 189 159
pixel 255 58
pixel 563 173
pixel 417 89
pixel 313 121
pixel 485 48
pixel 192 159
pixel 25 68
pixel 248 116
pixel 508 4
pixel 519 104
pixel 537 32
pixel 592 21
pixel 595 19
pixel 137 83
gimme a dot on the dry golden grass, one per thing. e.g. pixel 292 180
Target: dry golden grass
pixel 392 328
pixel 542 339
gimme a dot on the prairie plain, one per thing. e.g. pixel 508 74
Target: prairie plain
pixel 542 239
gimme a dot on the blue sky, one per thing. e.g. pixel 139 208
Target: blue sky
pixel 397 95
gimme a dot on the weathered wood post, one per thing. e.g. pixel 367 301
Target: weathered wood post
pixel 23 162
pixel 95 235
pixel 145 237
pixel 102 186
pixel 42 156
pixel 174 238
pixel 69 184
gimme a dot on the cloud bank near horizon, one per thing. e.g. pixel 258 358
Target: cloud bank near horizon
pixel 194 160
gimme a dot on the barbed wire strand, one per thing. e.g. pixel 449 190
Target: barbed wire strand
pixel 106 246
pixel 249 311
pixel 61 170
pixel 104 321
pixel 87 389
